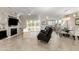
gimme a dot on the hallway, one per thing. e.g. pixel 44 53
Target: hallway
pixel 26 42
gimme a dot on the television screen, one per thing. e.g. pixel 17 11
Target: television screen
pixel 13 22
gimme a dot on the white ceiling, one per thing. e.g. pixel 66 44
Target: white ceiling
pixel 54 12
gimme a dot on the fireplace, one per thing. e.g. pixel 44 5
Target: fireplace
pixel 13 31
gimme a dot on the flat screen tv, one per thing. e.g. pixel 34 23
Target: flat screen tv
pixel 12 21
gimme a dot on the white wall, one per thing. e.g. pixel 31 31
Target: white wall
pixel 71 25
pixel 4 12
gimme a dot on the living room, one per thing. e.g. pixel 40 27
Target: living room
pixel 39 28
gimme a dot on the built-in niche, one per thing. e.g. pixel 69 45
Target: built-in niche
pixel 13 31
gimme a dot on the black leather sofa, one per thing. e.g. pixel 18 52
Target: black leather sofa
pixel 45 34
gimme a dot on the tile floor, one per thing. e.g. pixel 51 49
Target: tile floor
pixel 28 42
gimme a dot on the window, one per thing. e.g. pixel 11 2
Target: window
pixel 33 25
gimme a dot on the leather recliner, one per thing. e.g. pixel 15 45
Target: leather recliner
pixel 45 34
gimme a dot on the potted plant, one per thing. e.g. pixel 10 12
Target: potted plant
pixel 66 30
